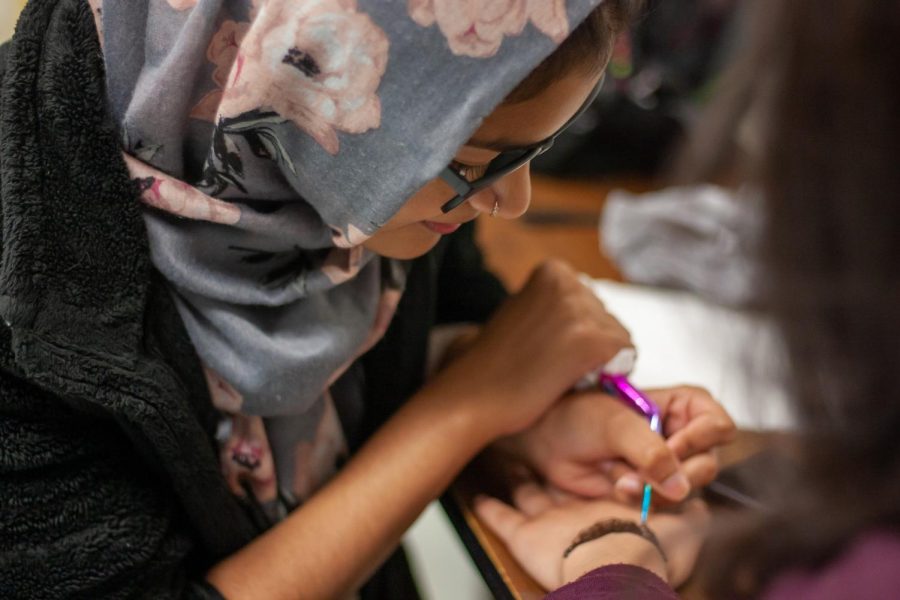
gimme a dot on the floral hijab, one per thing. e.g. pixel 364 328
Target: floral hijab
pixel 270 138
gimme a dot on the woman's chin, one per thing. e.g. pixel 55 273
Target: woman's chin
pixel 404 244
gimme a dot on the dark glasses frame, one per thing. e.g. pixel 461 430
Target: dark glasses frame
pixel 506 162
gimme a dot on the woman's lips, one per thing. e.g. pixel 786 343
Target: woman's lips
pixel 441 228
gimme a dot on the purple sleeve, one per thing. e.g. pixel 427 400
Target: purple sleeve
pixel 867 570
pixel 615 582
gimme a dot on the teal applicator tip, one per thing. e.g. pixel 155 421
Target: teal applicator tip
pixel 645 506
pixel 648 490
pixel 618 385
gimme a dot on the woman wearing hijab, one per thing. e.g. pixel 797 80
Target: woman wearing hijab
pixel 226 235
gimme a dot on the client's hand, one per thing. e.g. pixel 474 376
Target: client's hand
pixel 544 523
pixel 592 444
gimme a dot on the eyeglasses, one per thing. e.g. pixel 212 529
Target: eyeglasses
pixel 505 162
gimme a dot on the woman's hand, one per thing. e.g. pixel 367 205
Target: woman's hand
pixel 594 445
pixel 544 523
pixel 538 344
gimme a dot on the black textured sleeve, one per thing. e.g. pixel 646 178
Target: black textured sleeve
pixel 467 291
pixel 4 50
pixel 80 514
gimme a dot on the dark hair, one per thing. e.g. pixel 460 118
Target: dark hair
pixel 588 48
pixel 820 89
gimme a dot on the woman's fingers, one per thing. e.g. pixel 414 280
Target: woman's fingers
pixel 627 485
pixel 702 433
pixel 696 424
pixel 629 489
pixel 700 470
pixel 500 517
pixel 694 421
pixel 631 439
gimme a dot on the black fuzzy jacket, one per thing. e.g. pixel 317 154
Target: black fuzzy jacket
pixel 109 475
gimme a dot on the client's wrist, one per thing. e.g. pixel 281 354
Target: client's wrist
pixel 613 547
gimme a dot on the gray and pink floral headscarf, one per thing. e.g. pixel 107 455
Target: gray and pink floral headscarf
pixel 270 138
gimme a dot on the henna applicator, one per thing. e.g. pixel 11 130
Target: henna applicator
pixel 619 386
pixel 613 381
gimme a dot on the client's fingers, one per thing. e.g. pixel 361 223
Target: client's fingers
pixel 697 510
pixel 561 497
pixel 701 469
pixel 703 433
pixel 501 518
pixel 531 499
pixel 585 481
pixel 681 533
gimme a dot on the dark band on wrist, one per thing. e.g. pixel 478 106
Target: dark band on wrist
pixel 601 528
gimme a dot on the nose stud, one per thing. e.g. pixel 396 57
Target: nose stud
pixel 496 208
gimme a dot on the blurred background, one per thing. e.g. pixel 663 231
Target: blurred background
pixel 9 12
pixel 674 264
pixel 658 81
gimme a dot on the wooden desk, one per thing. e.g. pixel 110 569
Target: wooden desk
pixel 497 565
pixel 563 222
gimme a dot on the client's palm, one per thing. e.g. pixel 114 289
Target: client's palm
pixel 544 522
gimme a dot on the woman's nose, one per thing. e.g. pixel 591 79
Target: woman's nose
pixel 511 195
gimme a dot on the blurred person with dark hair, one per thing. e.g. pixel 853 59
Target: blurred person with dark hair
pixel 811 115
